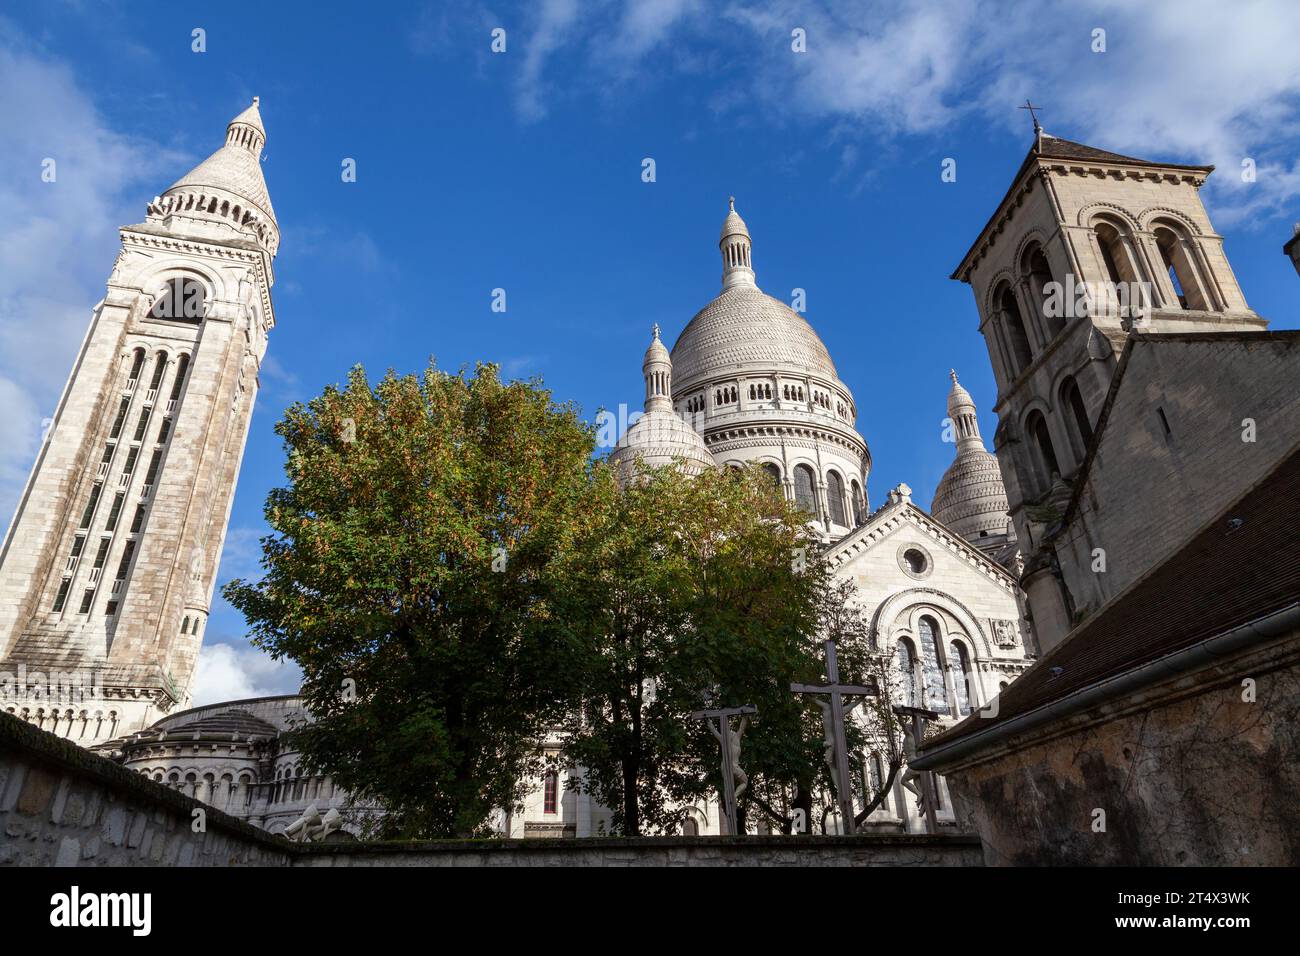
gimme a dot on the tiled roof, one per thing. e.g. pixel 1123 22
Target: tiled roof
pixel 1239 569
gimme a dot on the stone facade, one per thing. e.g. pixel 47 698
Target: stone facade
pixel 1189 772
pixel 107 571
pixel 1199 418
pixel 1136 235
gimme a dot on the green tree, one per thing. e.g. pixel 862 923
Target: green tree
pixel 412 572
pixel 691 588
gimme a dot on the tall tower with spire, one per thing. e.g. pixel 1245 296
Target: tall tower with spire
pixel 108 567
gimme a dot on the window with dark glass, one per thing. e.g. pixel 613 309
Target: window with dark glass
pixel 835 494
pixel 90 506
pixel 114 511
pixel 61 598
pixel 804 496
pixel 936 696
pixel 121 417
pixel 549 791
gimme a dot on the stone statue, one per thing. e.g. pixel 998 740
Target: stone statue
pixel 828 746
pixel 311 827
pixel 733 739
pixel 910 777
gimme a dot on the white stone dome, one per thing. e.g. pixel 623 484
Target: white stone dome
pixel 744 328
pixel 659 437
pixel 970 498
pixel 656 439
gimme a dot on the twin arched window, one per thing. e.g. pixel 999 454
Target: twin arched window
pixel 921 675
pixel 1041 439
pixel 1017 335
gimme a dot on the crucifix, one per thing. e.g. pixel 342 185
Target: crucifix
pixel 730 741
pixel 912 743
pixel 1034 116
pixel 834 711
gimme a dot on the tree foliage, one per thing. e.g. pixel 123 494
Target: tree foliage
pixel 411 572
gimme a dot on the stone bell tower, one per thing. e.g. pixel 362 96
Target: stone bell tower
pixel 108 568
pixel 1085 247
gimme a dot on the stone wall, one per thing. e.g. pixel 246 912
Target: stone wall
pixel 1191 772
pixel 769 851
pixel 64 806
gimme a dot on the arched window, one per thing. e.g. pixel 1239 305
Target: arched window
pixel 804 496
pixel 690 827
pixel 1036 426
pixel 1037 276
pixel 1174 254
pixel 550 786
pixel 905 657
pixel 835 497
pixel 182 364
pixel 959 666
pixel 774 471
pixel 159 366
pixel 857 502
pixel 1115 245
pixel 137 362
pixel 1017 337
pixel 936 695
pixel 1072 399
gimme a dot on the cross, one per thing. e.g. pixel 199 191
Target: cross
pixel 1034 116
pixel 919 715
pixel 838 711
pixel 730 757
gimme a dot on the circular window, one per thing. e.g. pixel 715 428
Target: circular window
pixel 914 560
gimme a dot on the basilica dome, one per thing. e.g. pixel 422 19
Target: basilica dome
pixel 970 498
pixel 659 437
pixel 756 382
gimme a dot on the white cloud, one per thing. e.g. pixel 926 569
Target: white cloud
pixel 1197 81
pixel 228 672
pixel 59 238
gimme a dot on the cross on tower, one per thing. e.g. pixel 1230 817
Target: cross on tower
pixel 730 743
pixel 1034 116
pixel 837 711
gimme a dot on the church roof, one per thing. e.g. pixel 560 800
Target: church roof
pixel 235 167
pixel 1227 577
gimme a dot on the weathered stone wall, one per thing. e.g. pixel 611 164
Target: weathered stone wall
pixel 63 806
pixel 867 850
pixel 1188 773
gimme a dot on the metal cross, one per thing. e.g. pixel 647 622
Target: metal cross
pixel 1034 116
pixel 838 711
pixel 730 758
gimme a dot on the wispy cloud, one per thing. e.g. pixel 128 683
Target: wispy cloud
pixel 1199 80
pixel 59 237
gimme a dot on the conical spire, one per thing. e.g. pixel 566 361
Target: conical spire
pixel 658 371
pixel 246 130
pixel 965 422
pixel 737 266
pixel 228 186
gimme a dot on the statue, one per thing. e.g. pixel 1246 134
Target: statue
pixel 911 777
pixel 311 827
pixel 828 746
pixel 740 778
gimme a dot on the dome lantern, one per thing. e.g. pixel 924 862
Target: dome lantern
pixel 737 266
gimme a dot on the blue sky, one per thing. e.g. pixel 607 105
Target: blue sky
pixel 522 170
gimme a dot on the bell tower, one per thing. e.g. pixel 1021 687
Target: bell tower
pixel 108 567
pixel 1085 247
